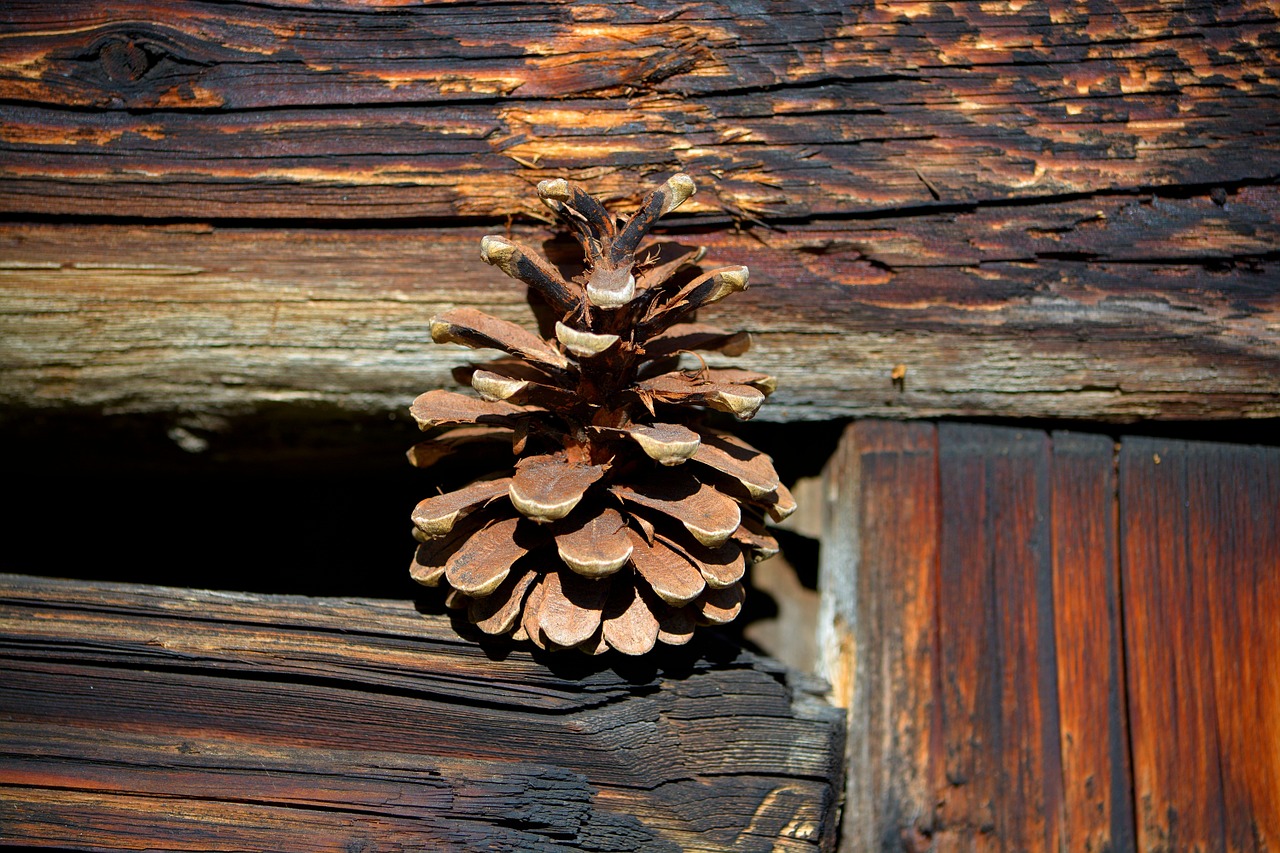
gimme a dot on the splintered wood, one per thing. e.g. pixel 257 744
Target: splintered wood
pixel 1046 642
pixel 1041 210
pixel 140 717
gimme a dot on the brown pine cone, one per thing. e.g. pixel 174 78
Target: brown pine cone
pixel 622 520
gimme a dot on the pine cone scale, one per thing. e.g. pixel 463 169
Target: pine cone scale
pixel 436 516
pixel 708 514
pixel 675 579
pixel 446 408
pixel 571 607
pixel 485 559
pixel 597 545
pixel 497 613
pixel 629 625
pixel 547 488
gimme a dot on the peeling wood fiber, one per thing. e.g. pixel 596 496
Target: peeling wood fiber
pixel 1037 210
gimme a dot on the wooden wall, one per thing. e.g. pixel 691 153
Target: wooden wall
pixel 1024 208
pixel 1034 207
pixel 1054 641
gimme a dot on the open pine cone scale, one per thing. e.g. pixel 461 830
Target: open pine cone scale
pixel 619 520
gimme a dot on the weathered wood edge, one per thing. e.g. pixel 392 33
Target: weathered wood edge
pixel 1116 308
pixel 652 741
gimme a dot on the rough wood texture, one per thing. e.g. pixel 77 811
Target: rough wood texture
pixel 999 713
pixel 1201 549
pixel 138 717
pixel 879 590
pixel 994 623
pixel 1035 209
pixel 163 318
pixel 1090 646
pixel 801 109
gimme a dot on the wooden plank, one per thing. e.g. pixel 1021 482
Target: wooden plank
pixel 1089 607
pixel 967 642
pixel 150 108
pixel 1234 513
pixel 336 722
pixel 1202 578
pixel 999 682
pixel 1154 311
pixel 1178 788
pixel 878 627
pixel 1090 646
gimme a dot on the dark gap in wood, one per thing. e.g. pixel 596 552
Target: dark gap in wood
pixel 1124 828
pixel 300 500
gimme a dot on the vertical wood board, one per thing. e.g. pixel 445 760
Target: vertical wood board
pixel 1000 721
pixel 1168 645
pixel 1089 644
pixel 888 492
pixel 1104 649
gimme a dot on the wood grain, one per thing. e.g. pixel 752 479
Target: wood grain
pixel 271 109
pixel 1200 568
pixel 1171 698
pixel 1053 641
pixel 878 627
pixel 999 676
pixel 1234 495
pixel 143 716
pixel 1090 645
pixel 1115 308
pixel 1035 211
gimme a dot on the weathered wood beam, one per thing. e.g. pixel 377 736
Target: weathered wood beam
pixel 135 716
pixel 148 108
pixel 1115 307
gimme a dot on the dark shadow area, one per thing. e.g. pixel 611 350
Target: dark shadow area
pixel 292 500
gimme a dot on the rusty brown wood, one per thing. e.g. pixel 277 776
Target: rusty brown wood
pixel 1171 696
pixel 1201 567
pixel 1114 308
pixel 1094 739
pixel 150 108
pixel 1099 632
pixel 138 716
pixel 1003 778
pixel 1234 496
pixel 879 627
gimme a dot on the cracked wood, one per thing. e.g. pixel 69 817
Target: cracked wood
pixel 266 109
pixel 135 716
pixel 1115 307
pixel 1000 209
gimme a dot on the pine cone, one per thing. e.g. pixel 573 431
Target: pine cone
pixel 616 525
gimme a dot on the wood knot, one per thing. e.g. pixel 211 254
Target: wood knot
pixel 125 60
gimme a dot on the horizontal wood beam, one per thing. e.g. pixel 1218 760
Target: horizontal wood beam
pixel 134 716
pixel 1114 307
pixel 253 110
